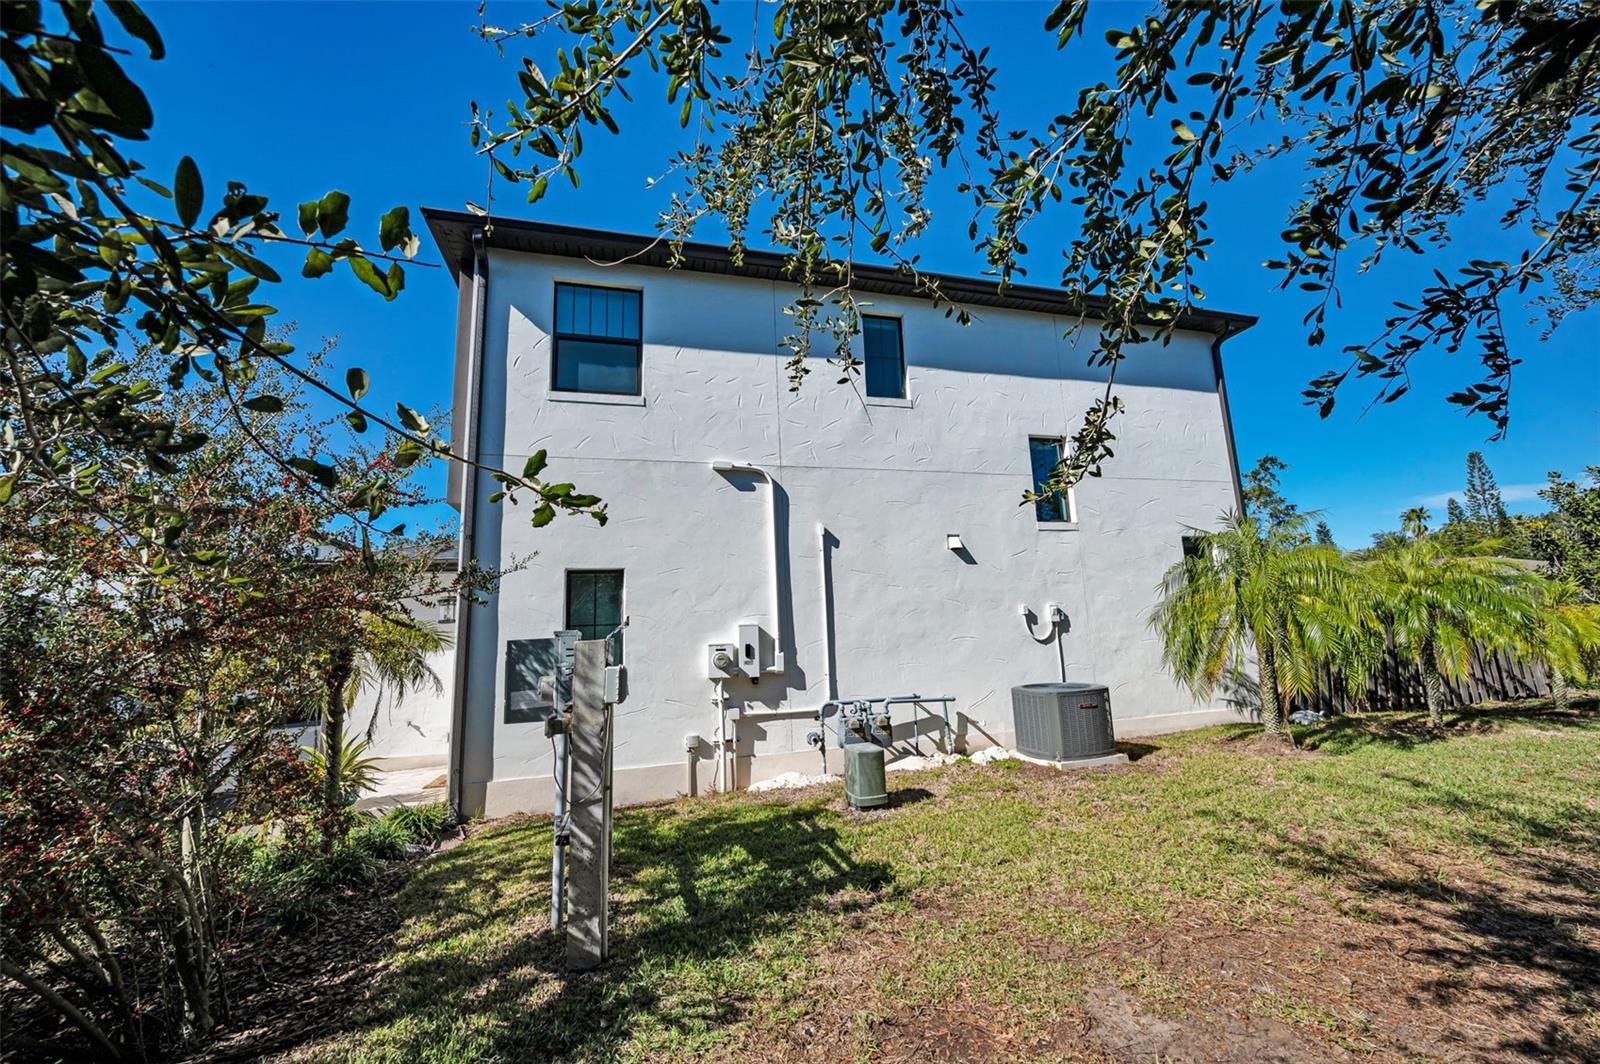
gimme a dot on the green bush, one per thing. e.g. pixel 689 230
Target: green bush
pixel 289 878
pixel 381 838
pixel 420 823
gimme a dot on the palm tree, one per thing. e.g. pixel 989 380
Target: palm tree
pixel 1438 607
pixel 384 652
pixel 1567 636
pixel 1414 522
pixel 1254 586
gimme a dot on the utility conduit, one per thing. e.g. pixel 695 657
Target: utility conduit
pixel 777 665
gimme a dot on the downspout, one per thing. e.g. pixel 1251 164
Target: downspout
pixel 456 785
pixel 777 665
pixel 1227 416
pixel 831 686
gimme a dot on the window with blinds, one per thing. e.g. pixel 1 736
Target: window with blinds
pixel 596 346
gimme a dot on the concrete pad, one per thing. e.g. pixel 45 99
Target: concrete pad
pixel 1082 762
pixel 408 786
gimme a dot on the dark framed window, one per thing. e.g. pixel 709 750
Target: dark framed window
pixel 1191 547
pixel 596 345
pixel 1044 454
pixel 594 603
pixel 886 358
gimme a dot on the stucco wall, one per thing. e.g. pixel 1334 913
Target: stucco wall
pixel 414 728
pixel 887 481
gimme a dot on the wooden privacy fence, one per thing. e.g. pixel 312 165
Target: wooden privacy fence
pixel 1397 684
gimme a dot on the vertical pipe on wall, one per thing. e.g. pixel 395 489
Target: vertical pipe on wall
pixel 456 784
pixel 830 684
pixel 777 665
pixel 1227 416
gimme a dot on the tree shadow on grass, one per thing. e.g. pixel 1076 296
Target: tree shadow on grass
pixel 1405 730
pixel 1531 951
pixel 699 890
pixel 1530 943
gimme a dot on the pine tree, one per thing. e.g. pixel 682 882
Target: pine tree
pixel 1262 500
pixel 1485 507
pixel 1454 513
pixel 1323 534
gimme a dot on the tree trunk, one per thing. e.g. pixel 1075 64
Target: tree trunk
pixel 333 753
pixel 1432 683
pixel 1271 709
pixel 75 1016
pixel 1560 688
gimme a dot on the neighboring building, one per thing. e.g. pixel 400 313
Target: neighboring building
pixel 412 730
pixel 409 731
pixel 824 516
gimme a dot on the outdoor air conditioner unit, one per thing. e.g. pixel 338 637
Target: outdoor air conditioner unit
pixel 1063 721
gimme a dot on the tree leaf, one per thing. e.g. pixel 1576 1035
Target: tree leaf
pixel 318 262
pixel 410 418
pixel 189 191
pixel 407 452
pixel 249 263
pixel 134 21
pixel 357 381
pixel 109 82
pixel 543 515
pixel 308 217
pixel 333 212
pixel 394 227
pixel 322 473
pixel 363 268
pixel 265 404
pixel 534 465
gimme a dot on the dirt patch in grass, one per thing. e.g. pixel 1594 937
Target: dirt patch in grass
pixel 1263 746
pixel 1407 962
pixel 1129 1032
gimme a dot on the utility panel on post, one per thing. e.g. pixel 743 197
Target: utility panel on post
pixel 589 818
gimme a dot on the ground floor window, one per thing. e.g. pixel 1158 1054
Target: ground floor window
pixel 1044 454
pixel 594 603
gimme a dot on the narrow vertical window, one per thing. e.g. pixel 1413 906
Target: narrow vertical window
pixel 594 604
pixel 1045 454
pixel 886 360
pixel 1191 547
pixel 596 345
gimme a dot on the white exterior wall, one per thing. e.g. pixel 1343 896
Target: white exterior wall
pixel 888 481
pixel 413 730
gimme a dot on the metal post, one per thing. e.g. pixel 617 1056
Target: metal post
pixel 560 839
pixel 589 819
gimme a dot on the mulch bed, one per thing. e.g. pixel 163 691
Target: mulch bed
pixel 286 988
pixel 290 988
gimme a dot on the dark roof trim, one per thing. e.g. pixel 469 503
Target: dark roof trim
pixel 452 231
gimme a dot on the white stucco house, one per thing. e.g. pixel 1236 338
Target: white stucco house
pixel 823 518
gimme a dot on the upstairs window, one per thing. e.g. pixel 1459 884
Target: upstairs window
pixel 886 360
pixel 1045 453
pixel 596 342
pixel 594 604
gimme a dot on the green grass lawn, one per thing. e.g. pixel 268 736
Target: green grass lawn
pixel 1381 892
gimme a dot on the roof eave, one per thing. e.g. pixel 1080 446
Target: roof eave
pixel 452 233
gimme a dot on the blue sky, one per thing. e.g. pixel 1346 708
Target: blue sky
pixel 372 98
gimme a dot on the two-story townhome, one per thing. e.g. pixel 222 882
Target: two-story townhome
pixel 860 540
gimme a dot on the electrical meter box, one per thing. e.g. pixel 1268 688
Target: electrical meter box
pixel 722 661
pixel 758 651
pixel 539 677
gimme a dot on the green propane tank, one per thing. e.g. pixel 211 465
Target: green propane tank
pixel 864 784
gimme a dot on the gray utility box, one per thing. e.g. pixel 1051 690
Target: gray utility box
pixel 1063 721
pixel 864 784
